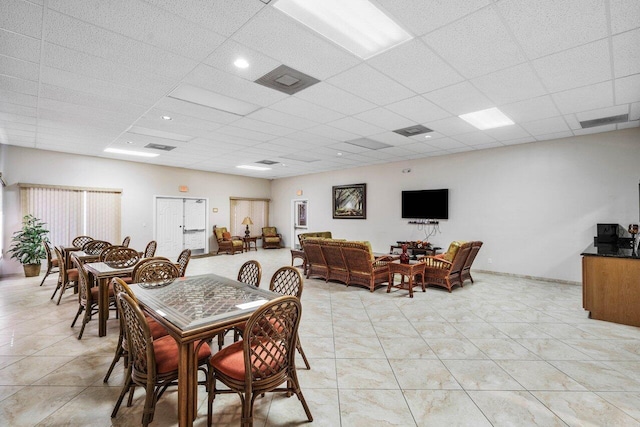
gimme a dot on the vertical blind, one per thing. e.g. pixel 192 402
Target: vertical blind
pixel 72 211
pixel 256 209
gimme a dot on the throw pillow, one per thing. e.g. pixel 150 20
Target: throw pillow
pixel 226 236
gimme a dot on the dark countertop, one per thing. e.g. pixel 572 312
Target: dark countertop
pixel 614 251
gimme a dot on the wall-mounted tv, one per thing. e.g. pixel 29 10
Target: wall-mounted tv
pixel 426 204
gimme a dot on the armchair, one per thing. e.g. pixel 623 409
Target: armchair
pixel 441 272
pixel 271 238
pixel 226 242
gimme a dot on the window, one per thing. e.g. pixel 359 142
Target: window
pixel 256 209
pixel 74 211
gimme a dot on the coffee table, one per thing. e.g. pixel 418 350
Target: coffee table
pixel 409 270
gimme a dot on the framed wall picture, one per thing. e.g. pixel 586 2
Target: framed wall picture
pixel 350 201
pixel 301 214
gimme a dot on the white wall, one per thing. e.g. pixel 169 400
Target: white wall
pixel 535 206
pixel 139 182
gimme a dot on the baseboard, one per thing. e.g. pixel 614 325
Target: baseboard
pixel 522 276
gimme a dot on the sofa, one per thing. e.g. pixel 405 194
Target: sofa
pixel 349 262
pixel 316 234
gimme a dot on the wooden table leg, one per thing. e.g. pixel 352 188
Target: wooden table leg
pixel 103 306
pixel 187 385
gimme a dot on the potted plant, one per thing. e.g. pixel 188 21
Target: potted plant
pixel 26 245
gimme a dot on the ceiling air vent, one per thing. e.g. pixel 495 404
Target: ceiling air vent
pixel 287 80
pixel 160 147
pixel 368 143
pixel 267 162
pixel 413 130
pixel 605 121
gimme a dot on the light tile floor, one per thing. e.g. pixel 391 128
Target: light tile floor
pixel 503 351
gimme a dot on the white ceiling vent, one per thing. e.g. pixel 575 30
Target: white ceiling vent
pixel 413 130
pixel 287 80
pixel 160 147
pixel 605 121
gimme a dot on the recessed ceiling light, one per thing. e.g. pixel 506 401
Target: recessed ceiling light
pixel 487 119
pixel 356 25
pixel 166 118
pixel 427 136
pixel 130 142
pixel 130 153
pixel 339 154
pixel 241 63
pixel 255 168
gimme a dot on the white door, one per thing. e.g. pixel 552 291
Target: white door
pixel 195 237
pixel 169 224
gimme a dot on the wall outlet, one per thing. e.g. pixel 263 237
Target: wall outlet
pixel 490 261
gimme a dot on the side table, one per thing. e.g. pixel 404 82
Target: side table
pixel 410 270
pixel 246 247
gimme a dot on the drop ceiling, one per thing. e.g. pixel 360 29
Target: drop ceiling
pixel 79 76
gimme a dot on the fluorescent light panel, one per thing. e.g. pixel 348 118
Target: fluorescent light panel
pixel 487 119
pixel 356 25
pixel 130 153
pixel 210 99
pixel 254 168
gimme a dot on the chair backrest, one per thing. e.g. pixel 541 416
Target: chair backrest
pixel 250 273
pixel 269 231
pixel 61 264
pixel 183 261
pixel 286 281
pixel 475 248
pixel 47 250
pixel 120 285
pixel 269 341
pixel 460 258
pixel 105 252
pixel 138 335
pixel 80 241
pixel 83 282
pixel 313 253
pixel 94 247
pixel 126 241
pixel 156 269
pixel 357 259
pixel 219 231
pixel 120 257
pixel 333 257
pixel 150 250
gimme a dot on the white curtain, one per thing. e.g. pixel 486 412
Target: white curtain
pixel 103 216
pixel 257 210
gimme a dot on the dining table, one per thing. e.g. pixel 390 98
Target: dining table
pixel 101 273
pixel 197 308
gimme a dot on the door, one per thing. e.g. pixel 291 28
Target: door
pixel 195 225
pixel 169 223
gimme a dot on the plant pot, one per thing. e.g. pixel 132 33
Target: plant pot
pixel 31 270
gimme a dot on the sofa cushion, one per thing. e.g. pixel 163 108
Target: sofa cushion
pixel 269 231
pixel 226 236
pixel 454 247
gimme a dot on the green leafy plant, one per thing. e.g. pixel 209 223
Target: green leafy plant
pixel 26 244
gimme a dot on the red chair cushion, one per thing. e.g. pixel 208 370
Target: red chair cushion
pixel 230 361
pixel 166 352
pixel 54 262
pixel 128 280
pixel 157 330
pixel 72 274
pixel 95 292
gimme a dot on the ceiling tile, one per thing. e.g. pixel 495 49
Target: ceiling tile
pixel 626 53
pixel 418 109
pixel 547 26
pixel 557 135
pixel 416 66
pixel 19 46
pixel 392 138
pixel 370 84
pixel 18 85
pixel 477 44
pixel 624 15
pixel 459 99
pixel 519 141
pixel 634 113
pixel 510 85
pixel 173 105
pixel 447 144
pixel 474 138
pixel 507 133
pixel 332 132
pixel 628 125
pixel 301 108
pixel 572 121
pixel 17 68
pixel 275 34
pixel 97 101
pixel 245 133
pixel 21 17
pixel 627 89
pixel 334 98
pixel 421 147
pixel 353 125
pixel 575 67
pixel 225 55
pixel 546 126
pixel 584 98
pixel 259 126
pixel 18 98
pixel 385 118
pixel 21 110
pixel 603 112
pixel 530 109
pixel 595 129
pixel 421 17
pixel 282 119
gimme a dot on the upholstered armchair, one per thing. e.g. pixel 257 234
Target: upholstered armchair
pixel 226 242
pixel 271 238
pixel 441 272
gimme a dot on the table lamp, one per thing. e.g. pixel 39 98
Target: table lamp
pixel 247 221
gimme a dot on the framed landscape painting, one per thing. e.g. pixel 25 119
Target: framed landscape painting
pixel 350 201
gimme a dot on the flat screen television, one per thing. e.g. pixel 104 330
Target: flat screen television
pixel 425 204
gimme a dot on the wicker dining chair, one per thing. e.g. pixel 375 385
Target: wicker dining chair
pixel 94 247
pixel 122 347
pixel 288 281
pixel 150 250
pixel 80 241
pixel 119 257
pixel 88 296
pixel 52 262
pixel 154 362
pixel 156 269
pixel 67 277
pixel 264 361
pixel 126 241
pixel 183 261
